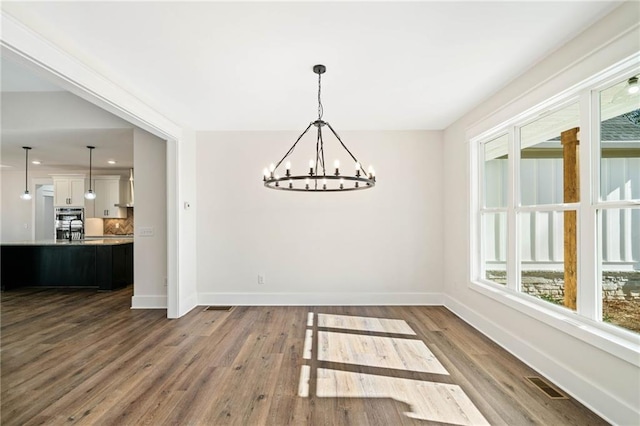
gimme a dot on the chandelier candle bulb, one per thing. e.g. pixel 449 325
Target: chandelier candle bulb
pixel 336 164
pixel 290 184
pixel 306 183
pixel 324 183
pixel 372 172
pixel 288 167
pixel 341 183
pixel 266 174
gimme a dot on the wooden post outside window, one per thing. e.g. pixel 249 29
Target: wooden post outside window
pixel 571 167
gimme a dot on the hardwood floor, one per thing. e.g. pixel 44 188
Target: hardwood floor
pixel 76 356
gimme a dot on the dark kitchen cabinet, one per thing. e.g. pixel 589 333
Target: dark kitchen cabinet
pixel 105 267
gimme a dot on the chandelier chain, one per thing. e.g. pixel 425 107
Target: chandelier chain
pixel 320 108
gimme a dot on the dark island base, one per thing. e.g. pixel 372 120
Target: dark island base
pixel 105 267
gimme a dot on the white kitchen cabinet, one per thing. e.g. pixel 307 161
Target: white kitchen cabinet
pixel 109 192
pixel 68 191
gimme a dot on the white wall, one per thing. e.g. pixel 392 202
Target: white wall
pixel 150 252
pixel 16 214
pixel 606 383
pixel 377 246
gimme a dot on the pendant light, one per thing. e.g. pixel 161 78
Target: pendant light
pixel 317 179
pixel 90 195
pixel 628 93
pixel 25 195
pixel 632 86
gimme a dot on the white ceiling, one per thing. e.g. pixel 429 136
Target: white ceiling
pixel 247 66
pixel 66 149
pixel 59 146
pixel 16 78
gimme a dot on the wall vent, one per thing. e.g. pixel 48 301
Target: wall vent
pixel 218 308
pixel 545 387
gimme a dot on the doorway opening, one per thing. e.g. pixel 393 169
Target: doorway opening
pixel 44 223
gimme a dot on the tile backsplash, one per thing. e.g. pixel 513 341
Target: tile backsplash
pixel 125 225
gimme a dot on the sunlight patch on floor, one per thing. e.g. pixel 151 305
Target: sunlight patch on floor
pixel 379 325
pixel 303 385
pixel 437 402
pixel 375 351
pixel 428 400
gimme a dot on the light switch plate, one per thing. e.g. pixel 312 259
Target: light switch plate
pixel 146 231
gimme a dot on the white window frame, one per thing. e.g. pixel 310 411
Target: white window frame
pixel 586 322
pixel 481 197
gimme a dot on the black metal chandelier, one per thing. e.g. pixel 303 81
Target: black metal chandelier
pixel 317 179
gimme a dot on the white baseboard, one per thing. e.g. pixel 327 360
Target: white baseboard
pixel 149 302
pixel 187 305
pixel 318 299
pixel 577 385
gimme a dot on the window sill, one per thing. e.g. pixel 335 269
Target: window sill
pixel 620 343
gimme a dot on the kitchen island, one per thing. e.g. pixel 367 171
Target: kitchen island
pixel 104 264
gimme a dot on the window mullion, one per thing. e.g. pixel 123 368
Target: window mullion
pixel 513 252
pixel 588 282
pixel 481 266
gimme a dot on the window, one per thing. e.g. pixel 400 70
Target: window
pixel 494 215
pixel 618 209
pixel 559 205
pixel 549 192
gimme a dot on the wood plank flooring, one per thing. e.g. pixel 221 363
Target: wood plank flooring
pixel 77 356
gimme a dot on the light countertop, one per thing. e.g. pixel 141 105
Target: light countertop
pixel 88 242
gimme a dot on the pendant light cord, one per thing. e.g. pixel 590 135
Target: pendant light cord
pixel 91 148
pixel 26 169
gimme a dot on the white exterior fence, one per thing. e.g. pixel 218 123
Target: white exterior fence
pixel 541 233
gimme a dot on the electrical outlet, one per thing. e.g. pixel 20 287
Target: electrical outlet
pixel 261 279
